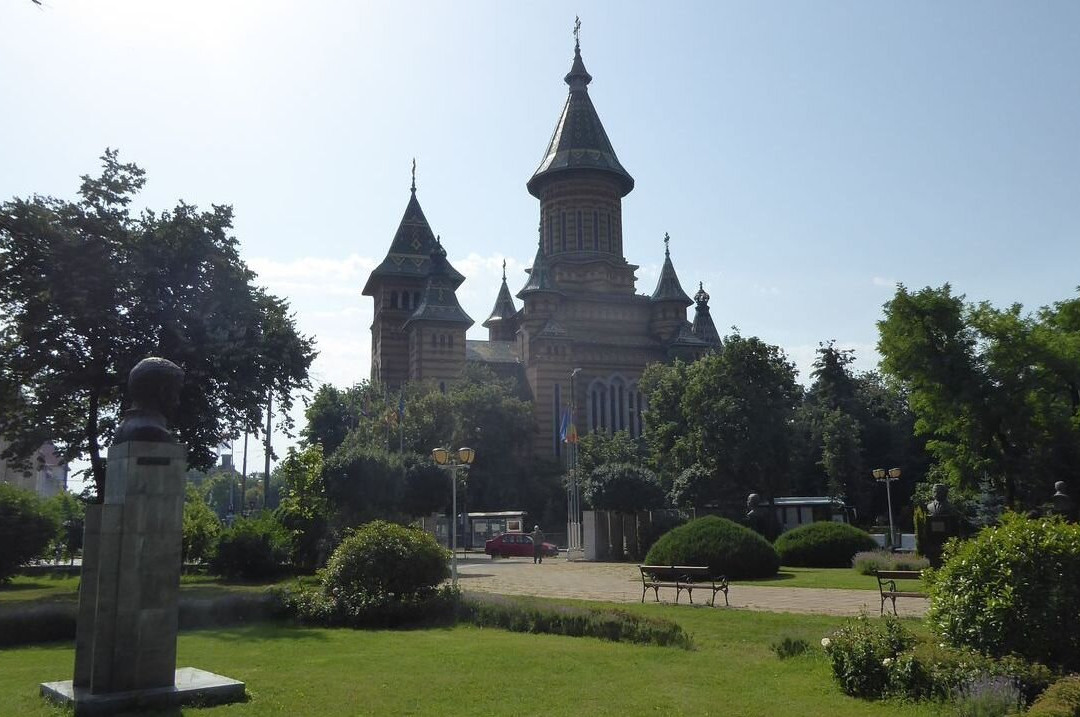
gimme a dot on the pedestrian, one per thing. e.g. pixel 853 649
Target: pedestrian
pixel 538 544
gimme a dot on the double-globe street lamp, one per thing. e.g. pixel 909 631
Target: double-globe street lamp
pixel 888 476
pixel 452 461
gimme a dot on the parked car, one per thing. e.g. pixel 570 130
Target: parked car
pixel 518 544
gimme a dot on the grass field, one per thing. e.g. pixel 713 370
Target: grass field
pixel 65 588
pixel 836 578
pixel 465 670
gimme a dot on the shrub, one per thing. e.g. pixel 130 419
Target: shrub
pixel 622 487
pixel 524 615
pixel 383 560
pixel 790 647
pixel 1061 699
pixel 251 549
pixel 725 546
pixel 822 545
pixel 862 653
pixel 1012 589
pixel 26 528
pixel 362 611
pixel 866 562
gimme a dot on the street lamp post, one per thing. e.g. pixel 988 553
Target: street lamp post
pixel 573 502
pixel 888 476
pixel 451 461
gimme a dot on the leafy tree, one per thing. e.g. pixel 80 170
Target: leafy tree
pixel 623 488
pixel 994 391
pixel 332 413
pixel 730 412
pixel 200 527
pixel 69 514
pixel 26 527
pixel 169 284
pixel 304 509
pixel 692 488
pixel 598 449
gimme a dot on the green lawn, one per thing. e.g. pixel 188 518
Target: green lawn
pixel 37 589
pixel 465 670
pixel 845 578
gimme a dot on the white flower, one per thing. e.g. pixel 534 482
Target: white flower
pixel 887 661
pixel 825 642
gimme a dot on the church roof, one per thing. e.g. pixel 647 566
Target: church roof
pixel 540 278
pixel 579 140
pixel 504 304
pixel 703 326
pixel 686 339
pixel 492 351
pixel 668 287
pixel 410 251
pixel 439 302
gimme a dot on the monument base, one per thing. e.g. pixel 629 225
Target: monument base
pixel 192 686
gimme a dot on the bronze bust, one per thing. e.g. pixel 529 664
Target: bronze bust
pixel 154 391
pixel 940 505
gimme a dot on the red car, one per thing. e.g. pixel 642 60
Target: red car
pixel 519 544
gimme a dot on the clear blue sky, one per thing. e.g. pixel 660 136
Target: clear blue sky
pixel 804 156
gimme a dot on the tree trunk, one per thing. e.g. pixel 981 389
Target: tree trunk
pixel 97 465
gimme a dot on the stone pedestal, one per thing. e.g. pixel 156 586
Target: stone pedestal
pixel 125 637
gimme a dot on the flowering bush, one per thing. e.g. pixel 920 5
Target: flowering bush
pixel 880 658
pixel 863 651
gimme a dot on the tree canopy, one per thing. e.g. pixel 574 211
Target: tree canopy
pixel 87 289
pixel 995 391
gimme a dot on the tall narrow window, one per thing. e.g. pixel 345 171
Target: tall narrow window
pixel 562 229
pixel 611 247
pixel 550 233
pixel 393 299
pixel 596 230
pixel 556 414
pixel 580 233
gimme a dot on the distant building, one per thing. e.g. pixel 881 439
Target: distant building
pixel 580 307
pixel 46 474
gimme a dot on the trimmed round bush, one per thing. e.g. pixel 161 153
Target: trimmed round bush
pixel 725 546
pixel 26 528
pixel 251 549
pixel 382 560
pixel 822 545
pixel 1012 589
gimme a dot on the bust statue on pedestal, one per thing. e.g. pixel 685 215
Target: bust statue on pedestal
pixel 760 518
pixel 1062 503
pixel 942 523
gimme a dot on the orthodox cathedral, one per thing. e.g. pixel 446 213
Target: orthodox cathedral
pixel 582 335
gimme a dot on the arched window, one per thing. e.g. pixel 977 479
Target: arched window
pixel 562 229
pixel 393 299
pixel 596 230
pixel 442 341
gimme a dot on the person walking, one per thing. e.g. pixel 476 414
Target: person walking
pixel 538 544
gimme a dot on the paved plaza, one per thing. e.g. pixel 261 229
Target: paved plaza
pixel 621 582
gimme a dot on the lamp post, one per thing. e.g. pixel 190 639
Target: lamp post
pixel 888 476
pixel 452 461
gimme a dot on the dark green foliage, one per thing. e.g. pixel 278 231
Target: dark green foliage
pixel 865 563
pixel 692 488
pixel 524 615
pixel 822 545
pixel 622 487
pixel 660 522
pixel 790 647
pixel 251 549
pixel 304 509
pixel 1061 699
pixel 168 284
pixel 26 528
pixel 725 546
pixel 383 561
pixel 1012 589
pixel 315 607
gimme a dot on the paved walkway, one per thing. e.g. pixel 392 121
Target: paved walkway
pixel 621 582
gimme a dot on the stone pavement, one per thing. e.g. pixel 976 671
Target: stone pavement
pixel 621 582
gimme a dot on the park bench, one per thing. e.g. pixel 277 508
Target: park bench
pixel 682 577
pixel 887 586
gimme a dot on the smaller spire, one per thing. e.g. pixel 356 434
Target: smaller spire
pixel 668 287
pixel 703 326
pixel 702 296
pixel 578 78
pixel 413 187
